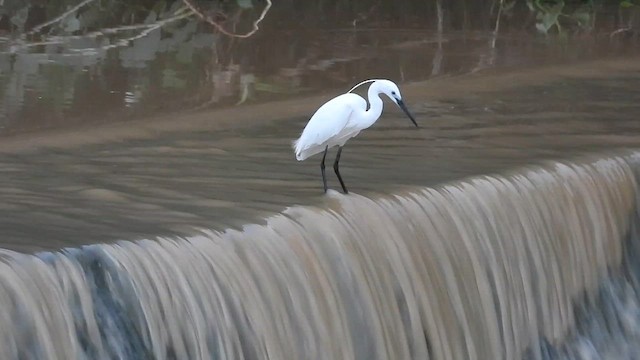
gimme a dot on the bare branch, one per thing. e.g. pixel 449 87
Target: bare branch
pixel 620 31
pixel 497 28
pixel 64 15
pixel 219 27
pixel 147 28
pixel 181 13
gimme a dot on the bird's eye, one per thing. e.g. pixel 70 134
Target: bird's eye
pixel 393 93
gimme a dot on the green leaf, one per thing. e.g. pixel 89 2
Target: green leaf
pixel 151 18
pixel 20 17
pixel 541 28
pixel 626 4
pixel 71 24
pixel 556 9
pixel 245 4
pixel 530 6
pixel 508 6
pixel 170 79
pixel 583 16
pixel 548 20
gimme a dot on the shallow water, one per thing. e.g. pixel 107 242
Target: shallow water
pixel 174 182
pixel 183 128
pixel 185 132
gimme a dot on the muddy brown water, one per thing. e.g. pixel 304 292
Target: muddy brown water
pixel 171 137
pixel 90 187
pixel 186 129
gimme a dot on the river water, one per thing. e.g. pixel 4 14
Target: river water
pixel 505 225
pixel 204 175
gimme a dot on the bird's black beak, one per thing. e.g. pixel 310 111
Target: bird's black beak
pixel 406 111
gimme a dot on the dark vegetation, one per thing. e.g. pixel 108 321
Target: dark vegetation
pixel 80 60
pixel 18 16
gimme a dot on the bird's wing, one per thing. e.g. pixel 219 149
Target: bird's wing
pixel 329 121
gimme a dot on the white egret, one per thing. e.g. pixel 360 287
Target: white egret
pixel 342 118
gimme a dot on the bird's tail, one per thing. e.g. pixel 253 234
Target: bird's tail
pixel 296 148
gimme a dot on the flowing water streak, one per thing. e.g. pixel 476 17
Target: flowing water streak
pixel 476 269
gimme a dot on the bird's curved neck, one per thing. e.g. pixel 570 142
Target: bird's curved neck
pixel 375 105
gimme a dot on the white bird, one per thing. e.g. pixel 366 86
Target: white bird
pixel 342 118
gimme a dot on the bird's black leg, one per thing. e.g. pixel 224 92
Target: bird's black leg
pixel 324 178
pixel 337 170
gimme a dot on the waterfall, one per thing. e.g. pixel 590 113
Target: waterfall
pixel 488 267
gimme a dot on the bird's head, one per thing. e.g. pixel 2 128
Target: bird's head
pixel 390 89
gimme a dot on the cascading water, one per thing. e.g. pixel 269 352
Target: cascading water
pixel 486 268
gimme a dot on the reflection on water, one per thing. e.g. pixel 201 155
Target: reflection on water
pixel 480 268
pixel 171 183
pixel 183 65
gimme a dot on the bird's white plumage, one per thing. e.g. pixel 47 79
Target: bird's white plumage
pixel 342 118
pixel 332 124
